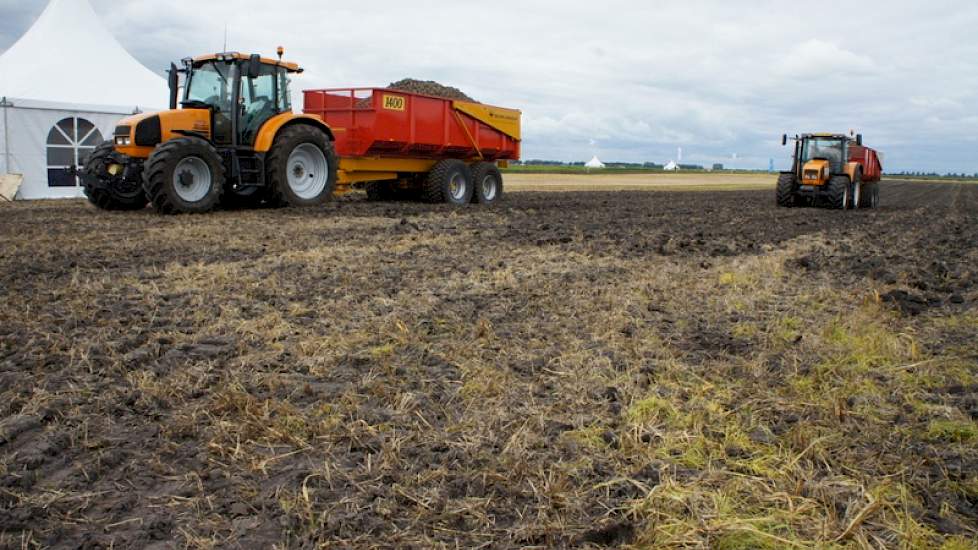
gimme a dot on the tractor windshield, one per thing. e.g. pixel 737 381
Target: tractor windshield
pixel 212 83
pixel 830 149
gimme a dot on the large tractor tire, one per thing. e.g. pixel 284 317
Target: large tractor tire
pixel 301 167
pixel 113 192
pixel 184 176
pixel 838 192
pixel 858 192
pixel 786 190
pixel 872 193
pixel 450 181
pixel 487 182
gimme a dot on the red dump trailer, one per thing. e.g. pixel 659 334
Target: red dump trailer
pixel 406 143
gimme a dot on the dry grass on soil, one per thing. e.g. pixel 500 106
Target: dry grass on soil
pixel 564 370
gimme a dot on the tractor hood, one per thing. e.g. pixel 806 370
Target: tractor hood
pixel 136 136
pixel 816 172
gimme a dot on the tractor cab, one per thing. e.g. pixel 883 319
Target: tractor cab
pixel 820 156
pixel 241 93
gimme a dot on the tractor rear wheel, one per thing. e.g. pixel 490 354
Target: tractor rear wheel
pixel 301 167
pixel 450 181
pixel 859 194
pixel 786 190
pixel 487 182
pixel 113 192
pixel 838 192
pixel 184 175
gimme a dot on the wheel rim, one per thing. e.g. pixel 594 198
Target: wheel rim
pixel 308 171
pixel 457 187
pixel 856 195
pixel 489 187
pixel 192 179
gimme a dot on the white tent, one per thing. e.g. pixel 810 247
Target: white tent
pixel 594 163
pixel 671 167
pixel 63 87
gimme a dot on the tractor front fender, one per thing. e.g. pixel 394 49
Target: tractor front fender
pixel 274 125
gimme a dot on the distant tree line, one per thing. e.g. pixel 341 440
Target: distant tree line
pixel 914 174
pixel 620 165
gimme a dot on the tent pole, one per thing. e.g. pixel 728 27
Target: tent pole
pixel 6 136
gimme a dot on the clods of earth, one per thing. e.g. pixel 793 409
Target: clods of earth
pixel 593 369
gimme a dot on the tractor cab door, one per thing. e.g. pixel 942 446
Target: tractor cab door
pixel 261 98
pixel 211 85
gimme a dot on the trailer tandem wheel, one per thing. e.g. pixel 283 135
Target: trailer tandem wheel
pixel 487 182
pixel 450 181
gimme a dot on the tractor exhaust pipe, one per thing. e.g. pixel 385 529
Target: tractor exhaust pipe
pixel 174 81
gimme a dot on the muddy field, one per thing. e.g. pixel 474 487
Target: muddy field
pixel 577 369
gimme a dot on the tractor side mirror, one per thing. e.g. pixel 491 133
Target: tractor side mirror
pixel 859 139
pixel 784 139
pixel 173 78
pixel 254 66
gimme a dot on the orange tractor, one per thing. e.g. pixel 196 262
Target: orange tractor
pixel 835 170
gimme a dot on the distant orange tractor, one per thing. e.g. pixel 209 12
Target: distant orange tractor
pixel 835 170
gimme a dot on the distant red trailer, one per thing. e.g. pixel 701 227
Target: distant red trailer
pixel 868 160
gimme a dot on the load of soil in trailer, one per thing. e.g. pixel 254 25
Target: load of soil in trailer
pixel 430 87
pixel 424 87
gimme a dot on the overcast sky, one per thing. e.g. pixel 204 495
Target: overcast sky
pixel 625 80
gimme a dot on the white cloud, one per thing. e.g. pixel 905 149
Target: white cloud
pixel 638 77
pixel 813 59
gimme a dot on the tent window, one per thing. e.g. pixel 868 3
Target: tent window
pixel 67 126
pixel 69 143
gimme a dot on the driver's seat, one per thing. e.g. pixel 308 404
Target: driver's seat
pixel 253 119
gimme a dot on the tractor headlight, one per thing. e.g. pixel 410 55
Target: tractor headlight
pixel 122 141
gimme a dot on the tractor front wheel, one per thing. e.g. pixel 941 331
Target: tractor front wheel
pixel 838 192
pixel 786 190
pixel 110 191
pixel 302 167
pixel 184 175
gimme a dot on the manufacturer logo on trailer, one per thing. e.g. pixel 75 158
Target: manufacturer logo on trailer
pixel 394 102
